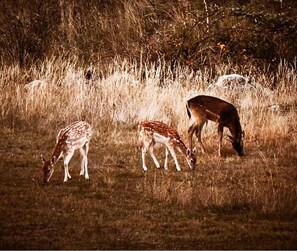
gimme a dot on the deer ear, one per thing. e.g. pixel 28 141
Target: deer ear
pixel 188 152
pixel 42 158
pixel 230 138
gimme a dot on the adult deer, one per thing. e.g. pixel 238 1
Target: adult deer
pixel 152 132
pixel 202 108
pixel 75 136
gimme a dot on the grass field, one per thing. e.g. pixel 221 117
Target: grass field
pixel 226 203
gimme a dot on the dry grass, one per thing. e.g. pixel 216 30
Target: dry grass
pixel 227 202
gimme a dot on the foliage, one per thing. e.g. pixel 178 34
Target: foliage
pixel 193 33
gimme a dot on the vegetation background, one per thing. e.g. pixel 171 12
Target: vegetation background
pixel 147 58
pixel 195 33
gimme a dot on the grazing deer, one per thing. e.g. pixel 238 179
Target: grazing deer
pixel 203 108
pixel 152 132
pixel 73 137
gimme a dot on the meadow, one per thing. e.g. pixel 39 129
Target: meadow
pixel 226 203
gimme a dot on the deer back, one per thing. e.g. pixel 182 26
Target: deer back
pixel 74 135
pixel 160 128
pixel 212 108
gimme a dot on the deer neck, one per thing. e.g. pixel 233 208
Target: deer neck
pixel 180 145
pixel 235 130
pixel 58 151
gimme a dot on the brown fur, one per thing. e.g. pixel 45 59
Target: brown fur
pixel 203 108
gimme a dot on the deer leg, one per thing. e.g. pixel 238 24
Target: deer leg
pixel 67 159
pixel 84 161
pixel 151 149
pixel 143 153
pixel 191 131
pixel 166 158
pixel 172 152
pixel 82 166
pixel 198 135
pixel 220 133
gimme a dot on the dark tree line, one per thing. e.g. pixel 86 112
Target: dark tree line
pixel 194 33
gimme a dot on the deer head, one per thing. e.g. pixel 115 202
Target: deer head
pixel 47 168
pixel 191 158
pixel 237 143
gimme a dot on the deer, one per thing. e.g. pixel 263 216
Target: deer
pixel 75 136
pixel 152 132
pixel 203 108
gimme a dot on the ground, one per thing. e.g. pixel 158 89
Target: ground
pixel 119 207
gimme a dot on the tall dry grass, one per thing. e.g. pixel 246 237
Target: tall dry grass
pixel 131 92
